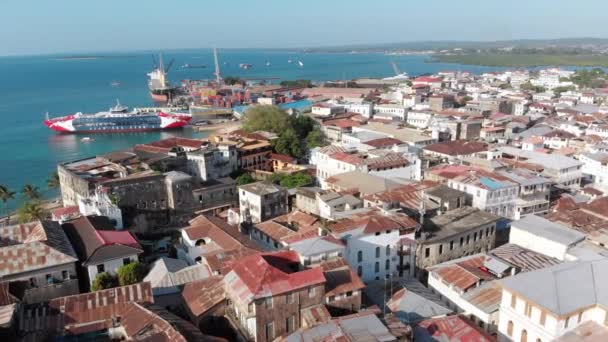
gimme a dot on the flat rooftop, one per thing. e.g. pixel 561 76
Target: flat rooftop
pixel 457 221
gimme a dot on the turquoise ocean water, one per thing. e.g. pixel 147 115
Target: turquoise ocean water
pixel 30 86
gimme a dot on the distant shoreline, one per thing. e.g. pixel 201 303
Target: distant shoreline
pixel 85 58
pixel 523 60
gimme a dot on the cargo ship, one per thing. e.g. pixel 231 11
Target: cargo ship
pixel 160 89
pixel 118 119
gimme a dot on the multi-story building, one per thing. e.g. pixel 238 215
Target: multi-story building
pixel 488 191
pixel 595 166
pixel 545 304
pixel 441 102
pixel 533 194
pixel 457 233
pixel 38 255
pixel 396 111
pixel 419 119
pixel 269 295
pixel 261 201
pixel 373 243
pixel 212 161
pixel 99 247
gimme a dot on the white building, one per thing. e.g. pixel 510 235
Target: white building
pixel 259 202
pixel 326 109
pixel 366 109
pixel 391 110
pixel 101 204
pixel 595 165
pixel 372 243
pixel 212 161
pixel 543 236
pixel 419 119
pixel 545 304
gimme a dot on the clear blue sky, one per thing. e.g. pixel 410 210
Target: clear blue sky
pixel 46 26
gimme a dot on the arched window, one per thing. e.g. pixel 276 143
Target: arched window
pixel 360 256
pixel 388 250
pixel 200 242
pixel 387 264
pixel 524 336
pixel 359 271
pixel 510 328
pixel 377 267
pixel 377 252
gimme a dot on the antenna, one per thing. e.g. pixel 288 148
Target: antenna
pixel 396 68
pixel 218 77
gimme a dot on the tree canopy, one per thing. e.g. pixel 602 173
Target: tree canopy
pixel 289 143
pixel 295 180
pixel 297 83
pixel 53 181
pixel 31 211
pixel 104 281
pixel 315 138
pixel 243 179
pixel 31 192
pixel 131 273
pixel 232 80
pixel 589 78
pixel 266 118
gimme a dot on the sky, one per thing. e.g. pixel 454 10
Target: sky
pixel 66 26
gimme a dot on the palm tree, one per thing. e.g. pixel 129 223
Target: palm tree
pixel 53 181
pixel 31 211
pixel 31 191
pixel 5 195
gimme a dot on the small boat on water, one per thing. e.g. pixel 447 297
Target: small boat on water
pixel 87 139
pixel 267 63
pixel 193 66
pixel 300 64
pixel 114 84
pixel 245 66
pixel 289 61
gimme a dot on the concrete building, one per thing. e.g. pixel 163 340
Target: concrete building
pixel 99 247
pixel 545 304
pixel 419 119
pixel 457 233
pixel 373 243
pixel 595 167
pixel 212 161
pixel 533 195
pixel 261 201
pixel 38 258
pixel 543 236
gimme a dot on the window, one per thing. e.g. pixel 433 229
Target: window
pixel 451 245
pixel 468 239
pixel 580 317
pixel 101 268
pixel 250 307
pixel 359 271
pixel 567 322
pixel 440 249
pixel 377 267
pixel 475 236
pixel 65 274
pixel 377 252
pixel 513 301
pixel 311 292
pixel 291 323
pixel 427 252
pixel 461 241
pixel 291 298
pixel 270 331
pixel 268 303
pixel 349 293
pixel 528 309
pixel 524 336
pixel 543 318
pixel 126 261
pixel 388 250
pixel 331 298
pixel 360 256
pixel 510 328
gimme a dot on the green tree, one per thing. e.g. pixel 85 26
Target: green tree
pixel 315 138
pixel 232 80
pixel 297 83
pixel 31 211
pixel 266 118
pixel 31 192
pixel 104 281
pixel 275 178
pixel 243 179
pixel 289 143
pixel 6 195
pixel 559 90
pixel 296 180
pixel 303 125
pixel 131 273
pixel 53 181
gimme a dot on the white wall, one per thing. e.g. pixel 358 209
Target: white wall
pixel 536 243
pixel 111 266
pixel 367 244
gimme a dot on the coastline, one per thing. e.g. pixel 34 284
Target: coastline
pixel 218 128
